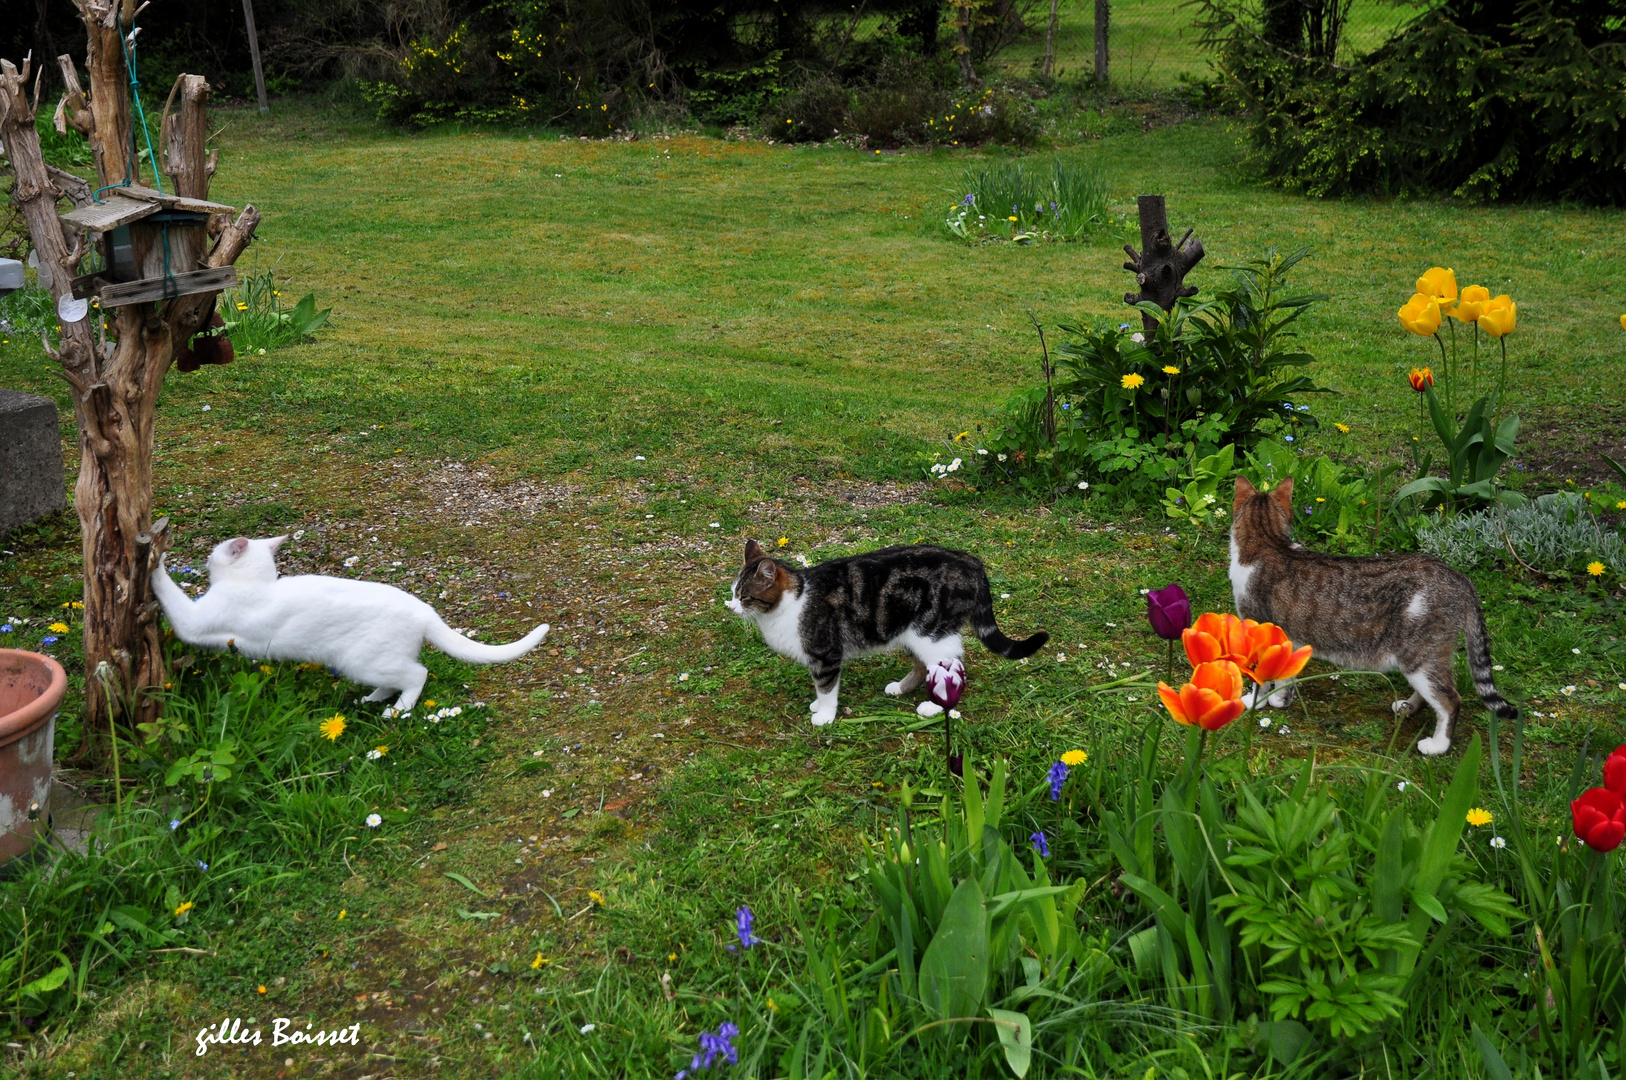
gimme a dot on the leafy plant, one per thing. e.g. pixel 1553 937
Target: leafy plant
pixel 1552 533
pixel 1066 204
pixel 256 320
pixel 1341 505
pixel 1199 503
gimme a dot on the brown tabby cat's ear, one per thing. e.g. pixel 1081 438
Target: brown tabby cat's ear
pixel 753 551
pixel 1282 496
pixel 1244 489
pixel 767 570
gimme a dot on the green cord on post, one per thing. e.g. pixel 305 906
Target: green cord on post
pixel 128 47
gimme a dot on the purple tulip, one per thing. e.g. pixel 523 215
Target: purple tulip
pixel 945 682
pixel 1169 611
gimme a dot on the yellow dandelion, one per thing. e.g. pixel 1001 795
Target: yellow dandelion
pixel 1132 380
pixel 265 669
pixel 79 605
pixel 783 540
pixel 262 988
pixel 342 913
pixel 1011 218
pixel 1074 758
pixel 1596 569
pixel 1479 816
pixel 1170 369
pixel 183 909
pixel 1343 428
pixel 58 628
pixel 596 897
pixel 430 704
pixel 332 728
pixel 538 962
pixel 381 750
pixel 671 958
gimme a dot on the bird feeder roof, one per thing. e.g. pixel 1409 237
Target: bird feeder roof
pixel 132 202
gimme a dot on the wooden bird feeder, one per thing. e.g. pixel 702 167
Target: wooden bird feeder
pixel 153 246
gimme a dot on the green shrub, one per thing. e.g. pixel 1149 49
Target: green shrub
pixel 256 319
pixel 1124 414
pixel 1474 97
pixel 1553 533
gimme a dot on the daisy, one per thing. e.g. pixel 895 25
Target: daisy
pixel 374 821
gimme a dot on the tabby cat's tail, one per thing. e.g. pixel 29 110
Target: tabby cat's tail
pixel 1479 665
pixel 988 632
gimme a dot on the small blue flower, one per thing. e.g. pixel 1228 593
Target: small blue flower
pixel 5 628
pixel 48 639
pixel 174 823
pixel 1123 326
pixel 1304 408
pixel 1308 510
pixel 745 919
pixel 202 865
pixel 712 1047
pixel 1040 844
pixel 1289 438
pixel 969 200
pixel 1058 777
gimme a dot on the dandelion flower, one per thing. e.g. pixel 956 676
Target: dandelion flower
pixel 1170 369
pixel 1479 816
pixel 596 897
pixel 1596 569
pixel 1131 381
pixel 783 540
pixel 374 821
pixel 58 628
pixel 183 909
pixel 332 728
pixel 1343 428
pixel 262 988
pixel 1074 758
pixel 538 962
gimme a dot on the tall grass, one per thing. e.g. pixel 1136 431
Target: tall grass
pixel 1065 201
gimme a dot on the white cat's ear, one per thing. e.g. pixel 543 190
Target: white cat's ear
pixel 235 549
pixel 753 551
pixel 275 542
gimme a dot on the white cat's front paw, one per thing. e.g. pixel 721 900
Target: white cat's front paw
pixel 1434 747
pixel 1403 707
pixel 894 688
pixel 928 708
pixel 824 716
pixel 1281 698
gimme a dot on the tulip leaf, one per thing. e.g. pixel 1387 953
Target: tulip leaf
pixel 1015 1038
pixel 954 971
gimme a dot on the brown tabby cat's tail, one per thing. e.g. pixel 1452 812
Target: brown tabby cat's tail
pixel 1477 639
pixel 988 632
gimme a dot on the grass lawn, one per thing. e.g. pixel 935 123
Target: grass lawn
pixel 566 380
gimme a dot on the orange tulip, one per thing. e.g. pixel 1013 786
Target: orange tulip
pixel 1499 316
pixel 1271 655
pixel 1212 699
pixel 1216 637
pixel 1421 379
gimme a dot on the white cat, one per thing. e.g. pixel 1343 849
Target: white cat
pixel 366 631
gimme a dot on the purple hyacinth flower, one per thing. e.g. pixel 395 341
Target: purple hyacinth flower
pixel 712 1047
pixel 1169 611
pixel 1058 777
pixel 945 682
pixel 746 919
pixel 1040 844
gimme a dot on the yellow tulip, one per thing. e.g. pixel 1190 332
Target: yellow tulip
pixel 1472 303
pixel 1499 316
pixel 1623 322
pixel 1421 315
pixel 1440 283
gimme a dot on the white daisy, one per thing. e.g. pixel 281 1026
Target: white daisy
pixel 1083 485
pixel 374 821
pixel 352 560
pixel 1498 843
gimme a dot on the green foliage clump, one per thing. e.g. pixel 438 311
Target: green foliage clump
pixel 1068 203
pixel 257 320
pixel 1553 533
pixel 1124 413
pixel 1482 98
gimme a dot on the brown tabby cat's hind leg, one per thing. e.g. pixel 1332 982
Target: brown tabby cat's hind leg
pixel 1438 686
pixel 1407 706
pixel 909 682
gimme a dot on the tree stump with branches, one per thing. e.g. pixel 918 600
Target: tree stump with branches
pixel 1161 266
pixel 115 360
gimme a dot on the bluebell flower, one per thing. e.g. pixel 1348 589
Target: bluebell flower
pixel 1040 844
pixel 174 823
pixel 747 939
pixel 712 1047
pixel 1058 777
pixel 48 639
pixel 969 200
pixel 5 628
pixel 1308 510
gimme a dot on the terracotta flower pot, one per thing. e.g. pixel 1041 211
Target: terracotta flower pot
pixel 31 689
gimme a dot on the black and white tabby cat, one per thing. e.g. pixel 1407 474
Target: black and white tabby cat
pixel 915 599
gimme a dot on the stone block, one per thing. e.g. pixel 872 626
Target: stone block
pixel 31 481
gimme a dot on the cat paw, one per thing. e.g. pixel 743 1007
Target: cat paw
pixel 1403 707
pixel 822 717
pixel 928 708
pixel 1281 698
pixel 895 688
pixel 1434 747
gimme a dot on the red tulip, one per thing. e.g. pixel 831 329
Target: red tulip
pixel 1421 379
pixel 1600 819
pixel 1212 699
pixel 1614 771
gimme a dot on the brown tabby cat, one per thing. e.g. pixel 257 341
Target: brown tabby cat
pixel 1379 613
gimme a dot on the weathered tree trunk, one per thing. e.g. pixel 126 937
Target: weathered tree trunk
pixel 115 385
pixel 962 40
pixel 1161 266
pixel 1050 38
pixel 1103 17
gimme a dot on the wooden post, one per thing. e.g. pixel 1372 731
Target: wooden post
pixel 1103 15
pixel 254 53
pixel 1050 39
pixel 1161 266
pixel 115 393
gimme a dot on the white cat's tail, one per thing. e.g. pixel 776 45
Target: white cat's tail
pixel 458 647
